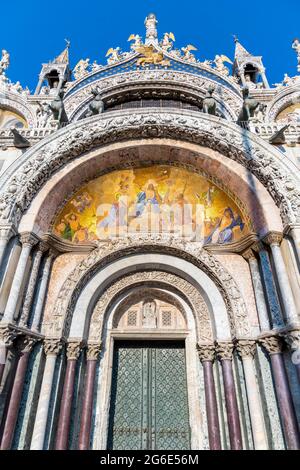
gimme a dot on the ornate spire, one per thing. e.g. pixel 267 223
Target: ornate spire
pixel 240 51
pixel 151 30
pixel 63 57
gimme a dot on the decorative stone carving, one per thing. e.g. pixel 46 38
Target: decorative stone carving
pixel 25 343
pixel 192 295
pixel 272 344
pixel 73 349
pixel 224 351
pixel 248 254
pixel 93 351
pixel 292 339
pixel 52 346
pixel 28 239
pixel 273 238
pixel 207 352
pixel 8 335
pixel 260 158
pixel 246 347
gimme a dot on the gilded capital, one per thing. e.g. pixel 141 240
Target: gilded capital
pixel 73 349
pixel 246 347
pixel 207 352
pixel 224 351
pixel 93 351
pixel 273 238
pixel 272 344
pixel 52 346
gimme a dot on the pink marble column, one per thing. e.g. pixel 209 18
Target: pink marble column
pixel 63 428
pixel 16 394
pixel 224 352
pixel 87 405
pixel 273 346
pixel 207 356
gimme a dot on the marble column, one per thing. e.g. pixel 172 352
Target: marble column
pixel 52 347
pixel 25 345
pixel 247 349
pixel 274 239
pixel 294 232
pixel 273 346
pixel 270 288
pixel 7 337
pixel 62 434
pixel 28 240
pixel 260 301
pixel 6 232
pixel 32 284
pixel 42 291
pixel 292 338
pixel 207 356
pixel 93 351
pixel 225 355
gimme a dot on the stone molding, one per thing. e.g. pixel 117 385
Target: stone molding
pixel 114 249
pixel 25 177
pixel 191 294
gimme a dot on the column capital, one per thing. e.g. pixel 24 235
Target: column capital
pixel 7 231
pixel 28 239
pixel 272 344
pixel 43 247
pixel 207 352
pixel 224 350
pixel 52 346
pixel 8 335
pixel 25 343
pixel 292 339
pixel 248 254
pixel 93 351
pixel 273 238
pixel 73 349
pixel 246 347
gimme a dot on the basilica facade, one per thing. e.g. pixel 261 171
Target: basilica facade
pixel 150 252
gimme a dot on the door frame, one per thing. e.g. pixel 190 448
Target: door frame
pixel 198 428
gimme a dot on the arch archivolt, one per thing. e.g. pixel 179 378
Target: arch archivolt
pixel 108 252
pixel 165 280
pixel 76 102
pixel 23 180
pixel 288 96
pixel 17 104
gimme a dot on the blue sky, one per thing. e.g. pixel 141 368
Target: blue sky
pixel 34 31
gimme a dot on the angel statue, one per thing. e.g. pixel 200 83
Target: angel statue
pixel 137 41
pixel 219 63
pixel 113 55
pixel 187 55
pixel 296 46
pixel 167 42
pixel 4 62
pixel 80 68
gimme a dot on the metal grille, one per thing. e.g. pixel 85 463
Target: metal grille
pixel 131 318
pixel 166 318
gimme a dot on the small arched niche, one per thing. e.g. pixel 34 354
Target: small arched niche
pixel 149 309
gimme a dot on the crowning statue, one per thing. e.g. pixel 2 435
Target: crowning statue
pixel 296 46
pixel 113 55
pixel 151 30
pixel 219 64
pixel 137 41
pixel 4 62
pixel 187 54
pixel 80 68
pixel 167 42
